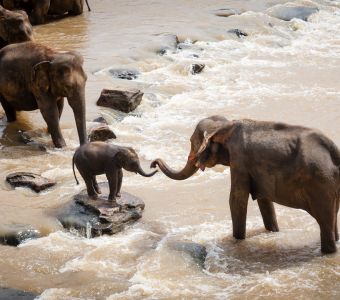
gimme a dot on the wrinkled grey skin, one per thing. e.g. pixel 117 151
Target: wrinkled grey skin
pixel 102 158
pixel 36 77
pixel 39 10
pixel 274 162
pixel 14 27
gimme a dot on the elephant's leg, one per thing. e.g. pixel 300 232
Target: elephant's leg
pixel 9 110
pixel 50 113
pixel 95 185
pixel 60 105
pixel 268 214
pixel 238 201
pixel 112 177
pixel 88 181
pixel 325 216
pixel 119 182
pixel 77 7
pixel 40 11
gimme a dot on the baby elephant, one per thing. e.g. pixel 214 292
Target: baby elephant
pixel 97 158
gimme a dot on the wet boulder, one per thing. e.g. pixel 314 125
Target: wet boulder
pixel 124 74
pixel 13 235
pixel 238 32
pixel 101 133
pixel 197 68
pixel 196 251
pixel 94 217
pixel 287 13
pixel 122 100
pixel 31 180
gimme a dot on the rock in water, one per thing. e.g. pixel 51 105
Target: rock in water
pixel 26 179
pixel 227 12
pixel 124 74
pixel 287 13
pixel 196 251
pixel 197 68
pixel 99 216
pixel 13 235
pixel 122 100
pixel 100 119
pixel 238 32
pixel 101 133
pixel 13 294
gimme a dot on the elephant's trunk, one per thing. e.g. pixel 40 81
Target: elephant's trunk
pixel 140 171
pixel 189 170
pixel 77 102
pixel 88 6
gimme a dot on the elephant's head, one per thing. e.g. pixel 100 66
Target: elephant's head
pixel 15 26
pixel 127 159
pixel 63 76
pixel 208 148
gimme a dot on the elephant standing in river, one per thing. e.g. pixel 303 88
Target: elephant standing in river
pixel 273 162
pixel 102 158
pixel 14 27
pixel 38 10
pixel 34 76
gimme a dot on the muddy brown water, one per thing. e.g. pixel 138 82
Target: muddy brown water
pixel 283 71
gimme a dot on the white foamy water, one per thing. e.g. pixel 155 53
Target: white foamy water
pixel 283 71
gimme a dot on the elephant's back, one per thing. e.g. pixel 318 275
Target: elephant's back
pixel 21 54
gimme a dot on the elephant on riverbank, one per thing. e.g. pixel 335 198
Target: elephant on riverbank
pixel 97 158
pixel 14 27
pixel 34 76
pixel 39 10
pixel 273 162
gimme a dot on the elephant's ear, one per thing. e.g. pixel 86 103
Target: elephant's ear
pixel 220 135
pixel 40 76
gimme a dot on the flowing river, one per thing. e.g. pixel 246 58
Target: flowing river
pixel 285 71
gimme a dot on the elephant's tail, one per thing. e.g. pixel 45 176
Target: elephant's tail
pixel 88 6
pixel 74 173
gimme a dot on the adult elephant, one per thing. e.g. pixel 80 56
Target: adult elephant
pixel 14 27
pixel 39 10
pixel 36 77
pixel 274 162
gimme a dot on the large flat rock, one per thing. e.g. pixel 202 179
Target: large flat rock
pixel 31 180
pixel 93 217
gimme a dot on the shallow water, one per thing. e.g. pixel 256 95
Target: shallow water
pixel 283 71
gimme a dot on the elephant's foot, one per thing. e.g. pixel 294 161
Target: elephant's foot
pixel 328 247
pixel 60 143
pixel 272 227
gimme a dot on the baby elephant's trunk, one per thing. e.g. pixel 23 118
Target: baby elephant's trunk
pixel 141 172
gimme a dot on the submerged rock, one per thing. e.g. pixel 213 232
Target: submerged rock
pixel 197 68
pixel 13 235
pixel 238 32
pixel 197 252
pixel 101 133
pixel 31 137
pixel 124 74
pixel 227 12
pixel 99 216
pixel 122 100
pixel 100 119
pixel 170 42
pixel 287 13
pixel 26 179
pixel 14 294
